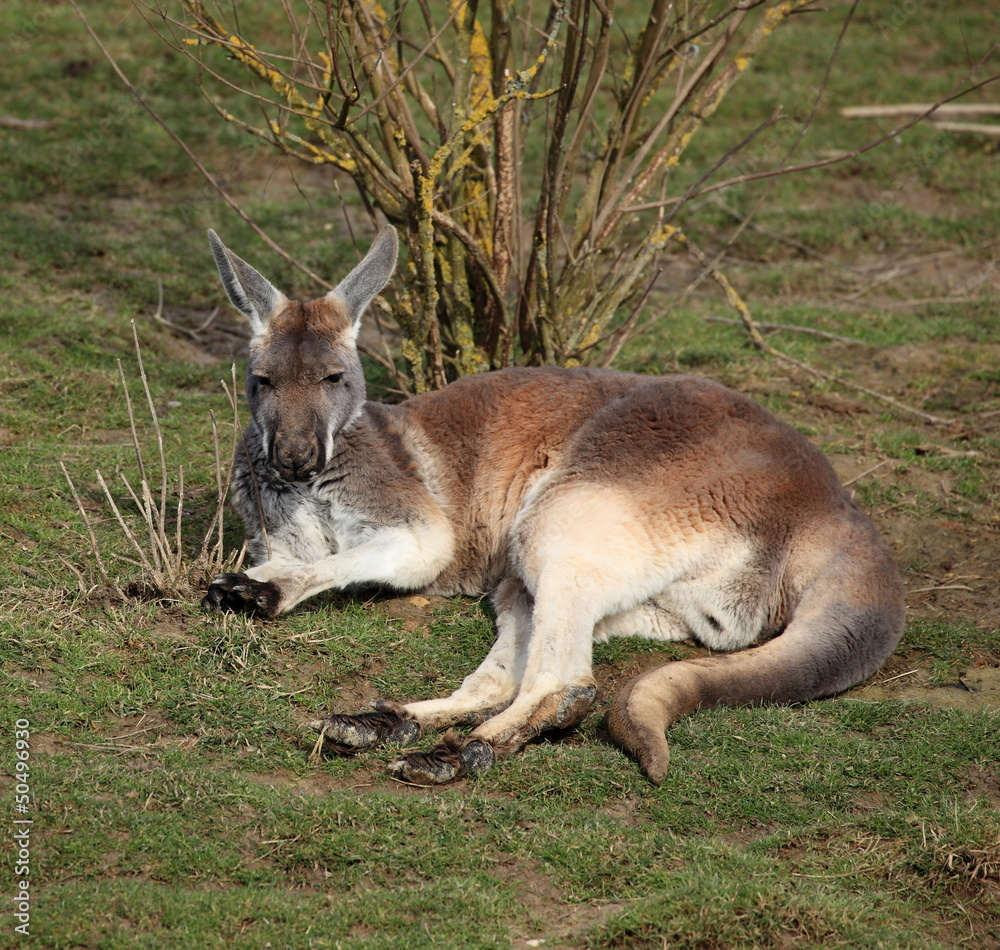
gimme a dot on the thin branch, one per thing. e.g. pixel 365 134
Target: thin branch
pixel 159 437
pixel 866 473
pixel 758 341
pixel 191 155
pixel 911 108
pixel 792 327
pixel 826 162
pixel 94 546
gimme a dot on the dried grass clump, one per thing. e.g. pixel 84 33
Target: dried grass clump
pixel 167 568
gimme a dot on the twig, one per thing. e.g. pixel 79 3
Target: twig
pixel 13 122
pixel 865 474
pixel 825 162
pixel 208 176
pixel 138 732
pixel 926 590
pixel 79 576
pixel 783 238
pixel 128 531
pixel 969 128
pixel 193 334
pixel 175 568
pixel 791 326
pixel 899 676
pixel 884 279
pixel 746 220
pixel 110 747
pixel 314 756
pixel 208 320
pixel 743 310
pixel 148 512
pixel 90 528
pixel 159 438
pixel 920 302
pixel 216 517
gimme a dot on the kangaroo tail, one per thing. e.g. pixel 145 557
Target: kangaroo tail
pixel 822 651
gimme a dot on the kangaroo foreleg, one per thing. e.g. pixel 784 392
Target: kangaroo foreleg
pixel 403 558
pixel 239 593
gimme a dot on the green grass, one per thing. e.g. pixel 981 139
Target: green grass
pixel 174 803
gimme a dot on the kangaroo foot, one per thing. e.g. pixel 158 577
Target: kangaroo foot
pixel 386 723
pixel 452 758
pixel 563 710
pixel 571 708
pixel 240 594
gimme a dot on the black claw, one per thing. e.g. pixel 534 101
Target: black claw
pixel 448 761
pixel 240 594
pixel 387 723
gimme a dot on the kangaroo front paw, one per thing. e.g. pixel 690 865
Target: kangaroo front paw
pixel 240 594
pixel 387 722
pixel 451 759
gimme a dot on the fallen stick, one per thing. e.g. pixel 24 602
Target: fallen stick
pixel 916 108
pixel 973 128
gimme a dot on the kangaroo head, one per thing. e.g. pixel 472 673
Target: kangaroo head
pixel 304 378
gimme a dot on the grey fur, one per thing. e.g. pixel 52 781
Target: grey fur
pixel 249 291
pixel 361 285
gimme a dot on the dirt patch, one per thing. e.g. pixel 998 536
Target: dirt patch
pixel 986 781
pixel 977 689
pixel 23 540
pixel 564 921
pixel 415 612
pixel 46 745
pixel 207 336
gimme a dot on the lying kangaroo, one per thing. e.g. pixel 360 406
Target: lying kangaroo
pixel 589 503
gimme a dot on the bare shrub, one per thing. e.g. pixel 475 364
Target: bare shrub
pixel 520 149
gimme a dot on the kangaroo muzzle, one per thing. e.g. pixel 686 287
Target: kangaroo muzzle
pixel 296 459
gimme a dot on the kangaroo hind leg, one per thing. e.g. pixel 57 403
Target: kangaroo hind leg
pixel 556 691
pixel 482 694
pixel 578 571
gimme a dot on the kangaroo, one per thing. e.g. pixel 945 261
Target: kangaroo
pixel 588 503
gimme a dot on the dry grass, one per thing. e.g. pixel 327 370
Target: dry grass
pixel 157 541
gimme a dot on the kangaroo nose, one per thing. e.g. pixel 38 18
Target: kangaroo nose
pixel 296 463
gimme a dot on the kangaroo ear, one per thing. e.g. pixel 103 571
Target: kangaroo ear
pixel 250 292
pixel 360 286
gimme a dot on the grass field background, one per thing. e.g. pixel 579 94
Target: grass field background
pixel 172 801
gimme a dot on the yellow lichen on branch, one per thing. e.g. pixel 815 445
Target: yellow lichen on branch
pixel 532 230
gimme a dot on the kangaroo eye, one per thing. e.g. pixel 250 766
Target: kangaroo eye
pixel 262 381
pixel 333 378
